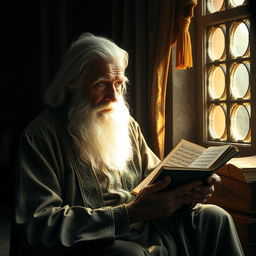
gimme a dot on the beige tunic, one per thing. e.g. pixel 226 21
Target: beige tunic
pixel 59 201
pixel 62 204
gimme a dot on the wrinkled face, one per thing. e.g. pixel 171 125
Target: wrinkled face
pixel 103 82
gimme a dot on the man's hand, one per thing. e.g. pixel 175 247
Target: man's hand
pixel 201 193
pixel 154 203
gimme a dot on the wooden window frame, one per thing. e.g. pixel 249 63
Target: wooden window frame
pixel 201 23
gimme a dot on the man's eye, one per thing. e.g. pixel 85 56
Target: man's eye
pixel 119 85
pixel 100 84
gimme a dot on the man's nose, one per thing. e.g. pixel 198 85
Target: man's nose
pixel 111 93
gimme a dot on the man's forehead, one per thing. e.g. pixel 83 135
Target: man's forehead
pixel 103 68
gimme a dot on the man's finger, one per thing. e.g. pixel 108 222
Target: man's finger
pixel 213 179
pixel 184 189
pixel 158 186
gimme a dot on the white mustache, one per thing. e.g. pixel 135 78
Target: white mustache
pixel 107 106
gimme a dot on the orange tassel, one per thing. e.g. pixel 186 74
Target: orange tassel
pixel 183 47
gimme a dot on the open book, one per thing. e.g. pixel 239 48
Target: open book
pixel 188 162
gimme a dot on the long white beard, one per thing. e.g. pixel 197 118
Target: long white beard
pixel 102 138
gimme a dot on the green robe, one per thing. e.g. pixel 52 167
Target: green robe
pixel 61 203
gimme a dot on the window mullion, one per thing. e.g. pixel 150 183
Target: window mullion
pixel 226 93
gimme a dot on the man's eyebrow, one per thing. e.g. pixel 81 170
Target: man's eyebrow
pixel 108 79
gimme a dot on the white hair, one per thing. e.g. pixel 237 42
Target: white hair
pixel 103 141
pixel 86 48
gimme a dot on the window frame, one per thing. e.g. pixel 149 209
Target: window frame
pixel 201 23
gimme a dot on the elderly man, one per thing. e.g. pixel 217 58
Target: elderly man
pixel 79 160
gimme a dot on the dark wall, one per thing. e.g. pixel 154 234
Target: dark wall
pixel 35 36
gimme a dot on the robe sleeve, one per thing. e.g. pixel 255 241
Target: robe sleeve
pixel 41 213
pixel 145 158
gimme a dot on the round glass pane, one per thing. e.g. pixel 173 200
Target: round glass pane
pixel 216 82
pixel 217 122
pixel 239 39
pixel 214 5
pixel 239 81
pixel 216 43
pixel 236 3
pixel 240 123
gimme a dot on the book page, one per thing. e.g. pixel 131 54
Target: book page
pixel 184 154
pixel 209 157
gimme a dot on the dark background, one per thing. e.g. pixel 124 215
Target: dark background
pixel 35 35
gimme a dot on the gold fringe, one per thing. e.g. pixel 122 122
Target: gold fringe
pixel 183 47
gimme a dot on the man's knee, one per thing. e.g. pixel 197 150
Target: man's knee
pixel 125 248
pixel 214 214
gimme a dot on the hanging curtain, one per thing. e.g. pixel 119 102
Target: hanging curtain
pixel 168 25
